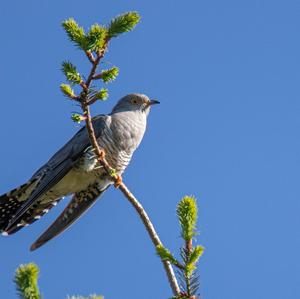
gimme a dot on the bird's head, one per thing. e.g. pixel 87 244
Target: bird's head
pixel 134 102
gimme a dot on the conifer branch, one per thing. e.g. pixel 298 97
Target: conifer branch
pixel 108 75
pixel 26 280
pixel 189 281
pixel 123 23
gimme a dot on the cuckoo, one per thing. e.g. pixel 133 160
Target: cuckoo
pixel 74 170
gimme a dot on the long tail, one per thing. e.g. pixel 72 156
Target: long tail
pixel 78 205
pixel 11 201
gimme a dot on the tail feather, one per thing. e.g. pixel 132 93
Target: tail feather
pixel 11 201
pixel 35 213
pixel 78 205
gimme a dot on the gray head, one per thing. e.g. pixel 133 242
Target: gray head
pixel 134 102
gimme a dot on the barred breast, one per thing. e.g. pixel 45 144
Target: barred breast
pixel 119 139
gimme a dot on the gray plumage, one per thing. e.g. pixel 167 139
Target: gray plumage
pixel 74 170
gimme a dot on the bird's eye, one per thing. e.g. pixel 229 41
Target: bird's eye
pixel 134 101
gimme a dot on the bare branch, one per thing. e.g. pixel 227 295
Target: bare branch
pixel 97 77
pixel 90 56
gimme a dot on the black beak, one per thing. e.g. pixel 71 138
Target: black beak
pixel 153 102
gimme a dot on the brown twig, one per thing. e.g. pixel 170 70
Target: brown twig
pixel 90 56
pixel 97 77
pixel 93 100
pixel 85 102
pixel 188 249
pixel 189 245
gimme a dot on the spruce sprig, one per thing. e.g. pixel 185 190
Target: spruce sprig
pixel 195 254
pixel 70 72
pixel 77 118
pixel 26 280
pixel 75 33
pixel 123 23
pixel 187 216
pixel 110 74
pixel 166 255
pixel 96 38
pixel 101 95
pixel 94 43
pixel 67 91
pixel 187 213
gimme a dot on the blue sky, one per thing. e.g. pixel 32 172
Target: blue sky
pixel 227 130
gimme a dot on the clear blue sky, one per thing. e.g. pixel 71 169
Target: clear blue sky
pixel 227 74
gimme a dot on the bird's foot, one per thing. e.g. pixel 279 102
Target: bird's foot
pixel 102 154
pixel 98 167
pixel 118 181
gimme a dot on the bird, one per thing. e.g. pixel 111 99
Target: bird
pixel 74 171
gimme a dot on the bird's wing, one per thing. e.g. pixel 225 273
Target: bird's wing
pixel 79 204
pixel 58 166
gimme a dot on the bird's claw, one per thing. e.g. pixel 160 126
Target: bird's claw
pixel 102 154
pixel 118 181
pixel 98 167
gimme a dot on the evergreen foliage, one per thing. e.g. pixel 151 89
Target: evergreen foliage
pixel 26 280
pixel 75 33
pixel 96 38
pixel 166 255
pixel 77 118
pixel 102 94
pixel 109 75
pixel 187 214
pixel 27 275
pixel 123 23
pixel 67 90
pixel 195 255
pixel 70 72
pixel 94 42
